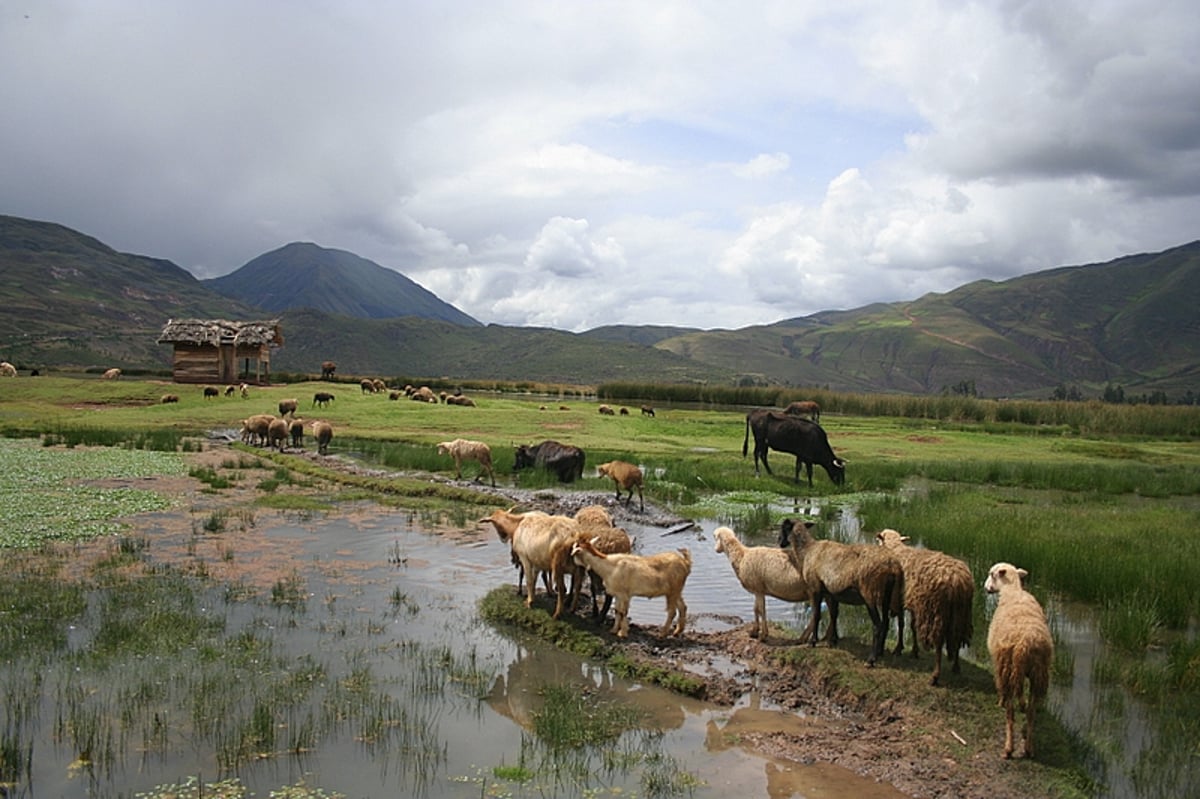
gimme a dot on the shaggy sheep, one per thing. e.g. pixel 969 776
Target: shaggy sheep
pixel 1021 649
pixel 287 407
pixel 211 391
pixel 395 394
pixel 938 593
pixel 296 431
pixel 857 574
pixel 168 398
pixel 277 434
pixel 764 572
pixel 464 449
pixel 367 386
pixel 594 516
pixel 255 428
pixel 424 394
pixel 623 412
pixel 606 410
pixel 323 432
pixel 626 476
pixel 626 576
pixel 806 408
pixel 465 402
pixel 322 399
pixel 647 410
pixel 111 374
pixel 7 369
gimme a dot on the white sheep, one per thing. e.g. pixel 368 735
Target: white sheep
pixel 626 576
pixel 1021 649
pixel 323 433
pixel 857 574
pixel 7 369
pixel 938 592
pixel 111 374
pixel 626 476
pixel 464 449
pixel 763 571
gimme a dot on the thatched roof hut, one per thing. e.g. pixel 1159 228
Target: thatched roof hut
pixel 210 350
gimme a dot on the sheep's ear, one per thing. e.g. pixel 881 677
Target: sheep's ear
pixel 904 539
pixel 594 540
pixel 1022 573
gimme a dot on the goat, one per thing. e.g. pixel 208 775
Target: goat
pixel 626 576
pixel 626 476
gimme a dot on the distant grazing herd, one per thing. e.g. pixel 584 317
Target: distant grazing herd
pixel 888 578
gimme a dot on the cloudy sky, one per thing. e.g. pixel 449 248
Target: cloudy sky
pixel 572 164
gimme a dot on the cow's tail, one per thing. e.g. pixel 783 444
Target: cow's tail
pixel 746 441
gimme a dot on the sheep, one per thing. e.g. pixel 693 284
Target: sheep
pixel 938 592
pixel 296 431
pixel 277 434
pixel 464 449
pixel 379 386
pixel 288 406
pixel 764 572
pixel 211 391
pixel 255 428
pixel 7 369
pixel 1021 649
pixel 626 575
pixel 367 386
pixel 624 411
pixel 327 370
pixel 423 394
pixel 595 525
pixel 394 395
pixel 169 398
pixel 806 408
pixel 323 432
pixel 229 390
pixel 606 410
pixel 858 574
pixel 245 389
pixel 647 411
pixel 465 402
pixel 111 374
pixel 322 399
pixel 626 476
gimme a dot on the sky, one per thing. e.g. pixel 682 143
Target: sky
pixel 574 164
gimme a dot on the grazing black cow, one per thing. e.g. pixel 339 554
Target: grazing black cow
pixel 564 460
pixel 787 433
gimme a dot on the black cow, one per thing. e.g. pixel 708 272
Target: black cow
pixel 564 460
pixel 787 433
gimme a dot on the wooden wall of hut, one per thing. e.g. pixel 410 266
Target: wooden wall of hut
pixel 204 363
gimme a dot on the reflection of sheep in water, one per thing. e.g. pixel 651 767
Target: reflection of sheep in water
pixel 764 572
pixel 1021 648
pixel 938 591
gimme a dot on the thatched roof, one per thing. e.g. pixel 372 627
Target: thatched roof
pixel 221 331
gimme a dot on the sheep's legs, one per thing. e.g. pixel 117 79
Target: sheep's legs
pixel 1009 713
pixel 1029 712
pixel 759 630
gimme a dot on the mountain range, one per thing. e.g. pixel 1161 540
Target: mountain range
pixel 69 301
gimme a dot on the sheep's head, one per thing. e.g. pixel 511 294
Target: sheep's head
pixel 1004 575
pixel 891 538
pixel 722 534
pixel 793 534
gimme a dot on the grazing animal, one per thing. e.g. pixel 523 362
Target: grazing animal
pixel 167 398
pixel 626 575
pixel 288 407
pixel 506 523
pixel 367 385
pixel 627 476
pixel 111 374
pixel 327 370
pixel 322 399
pixel 395 394
pixel 245 391
pixel 1021 649
pixel 465 402
pixel 255 428
pixel 277 434
pixel 764 572
pixel 857 574
pixel 938 593
pixel 423 394
pixel 296 431
pixel 379 386
pixel 800 437
pixel 7 369
pixel 464 449
pixel 624 411
pixel 606 410
pixel 806 408
pixel 229 390
pixel 211 391
pixel 647 410
pixel 564 460
pixel 323 432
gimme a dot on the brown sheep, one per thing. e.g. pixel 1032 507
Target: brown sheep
pixel 322 399
pixel 254 429
pixel 606 410
pixel 463 449
pixel 595 525
pixel 296 431
pixel 327 370
pixel 367 386
pixel 938 592
pixel 167 398
pixel 277 434
pixel 287 407
pixel 623 412
pixel 1021 649
pixel 647 411
pixel 379 386
pixel 626 476
pixel 323 432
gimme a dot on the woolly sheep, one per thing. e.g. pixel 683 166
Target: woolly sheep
pixel 857 574
pixel 288 406
pixel 464 449
pixel 764 572
pixel 296 431
pixel 168 398
pixel 111 374
pixel 322 399
pixel 245 391
pixel 229 390
pixel 323 432
pixel 7 369
pixel 255 428
pixel 277 434
pixel 327 370
pixel 806 408
pixel 1021 649
pixel 367 385
pixel 626 476
pixel 606 410
pixel 211 391
pixel 626 576
pixel 647 410
pixel 938 593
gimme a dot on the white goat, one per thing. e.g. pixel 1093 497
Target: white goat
pixel 506 523
pixel 626 576
pixel 939 592
pixel 627 476
pixel 764 572
pixel 462 449
pixel 1021 648
pixel 533 543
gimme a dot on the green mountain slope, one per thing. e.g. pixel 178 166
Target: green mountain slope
pixel 302 275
